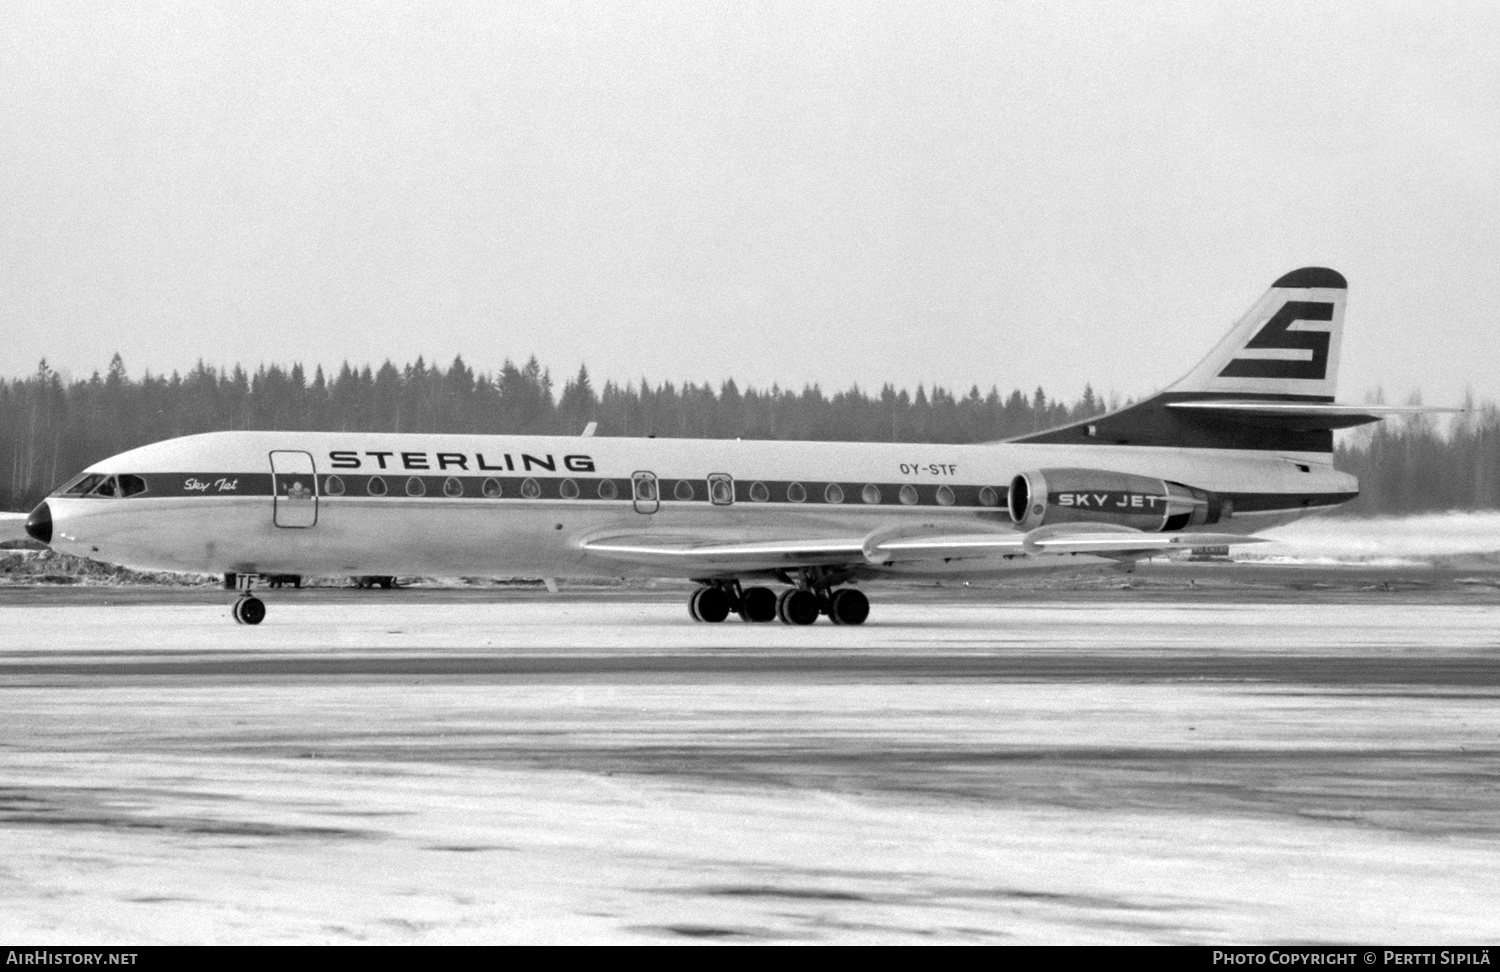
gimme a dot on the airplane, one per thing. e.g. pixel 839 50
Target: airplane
pixel 1242 442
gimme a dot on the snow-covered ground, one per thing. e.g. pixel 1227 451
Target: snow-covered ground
pixel 1382 541
pixel 730 804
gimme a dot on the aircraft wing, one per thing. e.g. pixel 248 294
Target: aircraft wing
pixel 12 526
pixel 712 554
pixel 885 547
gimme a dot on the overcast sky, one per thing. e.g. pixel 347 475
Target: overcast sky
pixel 1029 194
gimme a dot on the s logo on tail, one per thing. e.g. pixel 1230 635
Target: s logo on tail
pixel 1277 335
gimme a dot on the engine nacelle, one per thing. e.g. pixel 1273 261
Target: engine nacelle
pixel 1048 496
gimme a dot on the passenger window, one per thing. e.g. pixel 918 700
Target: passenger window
pixel 131 485
pixel 759 493
pixel 945 496
pixel 796 493
pixel 415 486
pixel 870 494
pixel 834 493
pixel 452 487
pixel 988 497
pixel 531 489
pixel 491 488
pixel 333 486
pixel 607 489
pixel 908 495
pixel 376 486
pixel 721 489
pixel 567 489
pixel 683 490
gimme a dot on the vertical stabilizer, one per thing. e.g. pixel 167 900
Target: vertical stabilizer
pixel 1265 386
pixel 1286 345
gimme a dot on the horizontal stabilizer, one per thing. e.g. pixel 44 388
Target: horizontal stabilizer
pixel 1299 415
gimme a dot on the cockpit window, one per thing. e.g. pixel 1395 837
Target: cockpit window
pixel 131 485
pixel 107 488
pixel 82 484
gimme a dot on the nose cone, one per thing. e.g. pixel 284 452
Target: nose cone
pixel 39 524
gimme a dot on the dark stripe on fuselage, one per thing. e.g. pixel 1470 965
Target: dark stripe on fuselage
pixel 337 486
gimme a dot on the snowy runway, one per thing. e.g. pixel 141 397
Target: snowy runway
pixel 595 768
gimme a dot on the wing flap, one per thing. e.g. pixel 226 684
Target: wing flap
pixel 879 548
pixel 1044 540
pixel 707 553
pixel 1114 543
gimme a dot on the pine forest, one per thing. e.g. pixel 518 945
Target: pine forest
pixel 51 428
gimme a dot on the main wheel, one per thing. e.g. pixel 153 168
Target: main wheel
pixel 709 604
pixel 758 604
pixel 848 606
pixel 249 610
pixel 797 607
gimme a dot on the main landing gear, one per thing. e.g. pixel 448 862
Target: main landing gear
pixel 249 609
pixel 803 604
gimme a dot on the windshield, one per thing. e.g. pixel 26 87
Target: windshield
pixel 82 484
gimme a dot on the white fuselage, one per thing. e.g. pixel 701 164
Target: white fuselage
pixel 456 505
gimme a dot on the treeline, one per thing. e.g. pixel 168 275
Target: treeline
pixel 51 428
pixel 1412 465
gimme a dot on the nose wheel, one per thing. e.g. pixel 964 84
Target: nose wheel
pixel 249 610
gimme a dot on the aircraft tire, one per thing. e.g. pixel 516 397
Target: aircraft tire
pixel 797 607
pixel 848 606
pixel 250 610
pixel 758 604
pixel 709 604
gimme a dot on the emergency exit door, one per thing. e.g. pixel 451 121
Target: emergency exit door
pixel 644 491
pixel 294 486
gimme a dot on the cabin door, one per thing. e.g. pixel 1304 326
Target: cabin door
pixel 643 489
pixel 294 485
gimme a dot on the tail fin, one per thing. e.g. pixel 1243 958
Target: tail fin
pixel 1287 345
pixel 1267 385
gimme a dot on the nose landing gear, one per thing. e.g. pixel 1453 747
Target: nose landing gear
pixel 249 609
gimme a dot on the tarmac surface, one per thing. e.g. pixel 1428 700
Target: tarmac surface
pixel 1230 755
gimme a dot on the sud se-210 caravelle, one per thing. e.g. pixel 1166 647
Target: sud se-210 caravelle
pixel 1242 442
